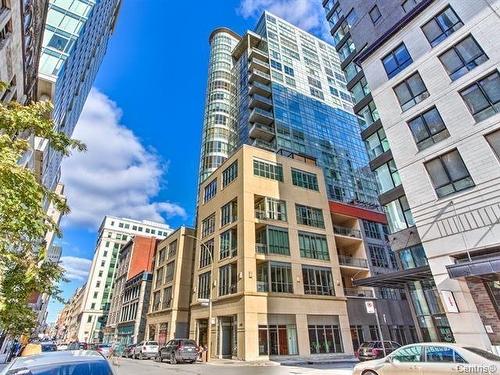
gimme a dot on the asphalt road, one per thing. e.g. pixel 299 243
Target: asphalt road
pixel 149 367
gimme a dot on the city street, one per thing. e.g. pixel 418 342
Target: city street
pixel 134 367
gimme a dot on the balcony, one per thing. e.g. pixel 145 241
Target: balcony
pixel 262 286
pixel 346 260
pixel 359 292
pixel 262 116
pixel 258 64
pixel 348 232
pixel 270 215
pixel 256 52
pixel 258 76
pixel 263 144
pixel 262 131
pixel 260 101
pixel 261 248
pixel 260 88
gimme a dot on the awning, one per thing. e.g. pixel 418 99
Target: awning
pixel 396 279
pixel 487 268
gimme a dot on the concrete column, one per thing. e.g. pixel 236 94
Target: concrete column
pixel 302 335
pixel 346 334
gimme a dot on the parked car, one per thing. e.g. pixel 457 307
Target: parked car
pixel 128 352
pixel 432 359
pixel 373 349
pixel 38 347
pixel 78 346
pixel 104 349
pixel 62 347
pixel 146 349
pixel 66 362
pixel 178 350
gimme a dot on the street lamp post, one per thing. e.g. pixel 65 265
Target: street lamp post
pixel 209 329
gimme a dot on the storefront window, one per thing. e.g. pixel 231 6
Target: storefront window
pixel 278 339
pixel 325 339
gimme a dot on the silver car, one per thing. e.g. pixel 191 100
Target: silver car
pixel 432 359
pixel 146 350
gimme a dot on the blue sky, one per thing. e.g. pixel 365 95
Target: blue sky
pixel 142 121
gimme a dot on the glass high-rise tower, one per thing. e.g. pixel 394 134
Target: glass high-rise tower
pixel 282 89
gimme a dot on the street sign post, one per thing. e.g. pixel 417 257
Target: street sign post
pixel 371 309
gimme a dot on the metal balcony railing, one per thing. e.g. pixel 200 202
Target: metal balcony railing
pixel 344 231
pixel 263 144
pixel 262 86
pixel 358 292
pixel 263 99
pixel 347 260
pixel 270 215
pixel 261 248
pixel 262 286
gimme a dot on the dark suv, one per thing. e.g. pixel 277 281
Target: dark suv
pixel 178 350
pixel 373 349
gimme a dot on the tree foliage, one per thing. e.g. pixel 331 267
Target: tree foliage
pixel 24 269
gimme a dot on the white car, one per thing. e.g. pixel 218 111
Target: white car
pixel 61 347
pixel 432 359
pixel 146 349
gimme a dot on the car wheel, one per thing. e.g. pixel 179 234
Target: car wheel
pixel 369 372
pixel 173 360
pixel 141 357
pixel 159 358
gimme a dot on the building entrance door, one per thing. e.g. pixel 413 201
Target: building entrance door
pixel 202 336
pixel 226 337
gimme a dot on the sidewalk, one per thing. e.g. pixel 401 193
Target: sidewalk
pixel 290 361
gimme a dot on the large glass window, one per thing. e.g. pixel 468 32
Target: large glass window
pixel 229 174
pixel 449 173
pixel 309 216
pixel 462 57
pixel 399 215
pixel 387 176
pixel 396 60
pixel 270 209
pixel 205 253
pixel 210 191
pixel 275 277
pixel 378 256
pixel 441 26
pixel 428 128
pixel 228 279
pixel 229 213
pixel 377 144
pixel 375 14
pixel 208 226
pixel 372 229
pixel 318 280
pixel 169 271
pixel 413 257
pixel 494 141
pixel 411 91
pixel 305 179
pixel 204 285
pixel 325 339
pixel 268 170
pixel 360 90
pixel 347 48
pixel 278 339
pixel 167 298
pixel 483 97
pixel 369 115
pixel 313 246
pixel 228 243
pixel 273 240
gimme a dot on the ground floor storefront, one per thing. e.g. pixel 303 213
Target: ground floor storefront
pixel 166 325
pixel 260 328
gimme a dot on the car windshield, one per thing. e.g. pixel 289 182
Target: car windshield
pixel 483 353
pixel 151 343
pixel 188 343
pixel 104 346
pixel 94 368
pixel 368 345
pixel 49 347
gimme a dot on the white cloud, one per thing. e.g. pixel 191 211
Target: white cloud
pixel 117 175
pixel 308 15
pixel 76 268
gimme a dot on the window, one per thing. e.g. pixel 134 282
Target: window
pixel 229 174
pixel 483 97
pixel 275 277
pixel 92 306
pixel 97 284
pixel 318 280
pixel 273 240
pixel 428 128
pixel 159 277
pixel 313 246
pixel 462 57
pixel 169 272
pixel 167 298
pixel 494 141
pixel 369 115
pixel 371 229
pixel 351 17
pixel 316 93
pixel 305 179
pixel 360 90
pixel 156 301
pixel 411 91
pixel 229 213
pixel 172 249
pixel 399 215
pixel 375 14
pixel 227 279
pixel 408 354
pixel 441 26
pixel 270 209
pixel 268 170
pixel 89 319
pixel 346 50
pixel 412 257
pixel 377 256
pixel 396 60
pixel 449 173
pixel 357 336
pixel 276 65
pixel 309 216
pixel 325 339
pixel 208 226
pixel 206 250
pixel 373 333
pixel 289 71
pixel 204 286
pixel 408 5
pixel 351 70
pixel 377 144
pixel 387 176
pixel 278 339
pixel 210 191
pixel 228 243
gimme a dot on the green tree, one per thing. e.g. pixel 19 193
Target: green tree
pixel 24 269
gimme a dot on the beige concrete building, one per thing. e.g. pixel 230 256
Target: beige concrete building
pixel 168 315
pixel 435 81
pixel 276 285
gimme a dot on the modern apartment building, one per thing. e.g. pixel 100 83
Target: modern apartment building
pixel 168 315
pixel 275 278
pixel 113 234
pixel 75 41
pixel 131 290
pixel 433 75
